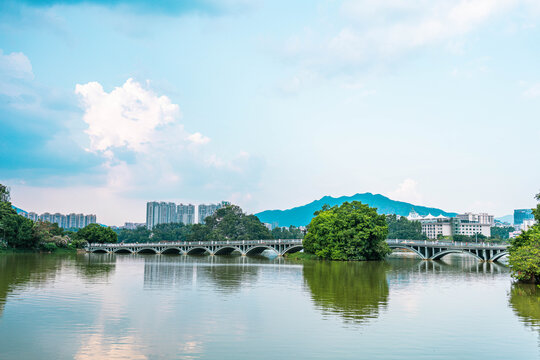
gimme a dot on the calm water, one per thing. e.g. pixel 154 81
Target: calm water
pixel 183 307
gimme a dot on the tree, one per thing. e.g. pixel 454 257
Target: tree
pixel 524 252
pixel 230 223
pixel 170 232
pixel 501 232
pixel 139 235
pixel 95 233
pixel 402 228
pixel 4 193
pixel 352 231
pixel 16 230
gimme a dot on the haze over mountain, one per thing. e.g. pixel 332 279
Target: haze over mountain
pixel 302 215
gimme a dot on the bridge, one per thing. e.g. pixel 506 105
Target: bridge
pixel 427 250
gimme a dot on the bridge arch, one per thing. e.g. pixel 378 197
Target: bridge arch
pixel 227 250
pixel 499 255
pixel 258 249
pixel 405 247
pixel 443 253
pixel 123 251
pixel 100 251
pixel 147 250
pixel 199 250
pixel 293 249
pixel 172 251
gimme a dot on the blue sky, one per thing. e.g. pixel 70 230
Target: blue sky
pixel 269 104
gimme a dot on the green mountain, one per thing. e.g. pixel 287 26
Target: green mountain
pixel 302 215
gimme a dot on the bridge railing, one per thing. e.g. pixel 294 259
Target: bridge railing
pixel 204 243
pixel 445 243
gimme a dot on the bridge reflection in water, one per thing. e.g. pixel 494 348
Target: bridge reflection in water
pixel 427 250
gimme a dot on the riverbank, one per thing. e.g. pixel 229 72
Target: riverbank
pixel 38 251
pixel 301 256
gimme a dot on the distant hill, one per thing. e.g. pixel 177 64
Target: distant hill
pixel 302 215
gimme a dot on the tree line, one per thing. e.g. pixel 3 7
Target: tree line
pixel 18 232
pixel 227 223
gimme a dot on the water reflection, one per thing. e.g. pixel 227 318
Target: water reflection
pixel 354 290
pixel 224 273
pixel 19 269
pixel 94 267
pixel 525 301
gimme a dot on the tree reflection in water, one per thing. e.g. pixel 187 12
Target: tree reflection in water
pixel 354 290
pixel 525 301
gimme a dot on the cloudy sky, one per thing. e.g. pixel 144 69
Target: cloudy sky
pixel 105 105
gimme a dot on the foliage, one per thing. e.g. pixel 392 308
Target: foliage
pixel 170 232
pixel 199 232
pixel 287 233
pixel 467 238
pixel 95 233
pixel 4 193
pixel 524 252
pixel 352 231
pixel 16 230
pixel 525 255
pixel 402 228
pixel 501 232
pixel 230 223
pixel 138 235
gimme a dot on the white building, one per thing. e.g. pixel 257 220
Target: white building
pixel 464 224
pixel 70 221
pixel 209 210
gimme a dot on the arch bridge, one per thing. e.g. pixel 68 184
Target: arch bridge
pixel 244 247
pixel 427 250
pixel 435 250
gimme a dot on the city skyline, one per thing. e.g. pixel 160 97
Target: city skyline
pixel 433 103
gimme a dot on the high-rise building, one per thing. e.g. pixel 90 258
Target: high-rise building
pixel 522 214
pixel 71 221
pixel 185 214
pixel 160 213
pixel 209 210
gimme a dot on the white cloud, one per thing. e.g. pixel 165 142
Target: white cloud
pixel 147 152
pixel 407 191
pixel 533 91
pixel 198 139
pixel 15 66
pixel 128 116
pixel 375 29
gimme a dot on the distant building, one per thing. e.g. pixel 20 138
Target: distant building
pixel 160 213
pixel 185 214
pixel 168 212
pixel 133 226
pixel 268 226
pixel 522 214
pixel 209 210
pixel 464 224
pixel 70 221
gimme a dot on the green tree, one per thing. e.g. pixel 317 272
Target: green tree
pixel 524 252
pixel 199 232
pixel 230 223
pixel 501 232
pixel 402 228
pixel 352 231
pixel 4 193
pixel 139 235
pixel 16 230
pixel 170 232
pixel 287 233
pixel 95 233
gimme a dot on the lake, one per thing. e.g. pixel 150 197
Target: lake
pixel 104 306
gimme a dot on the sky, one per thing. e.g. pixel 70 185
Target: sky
pixel 105 105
